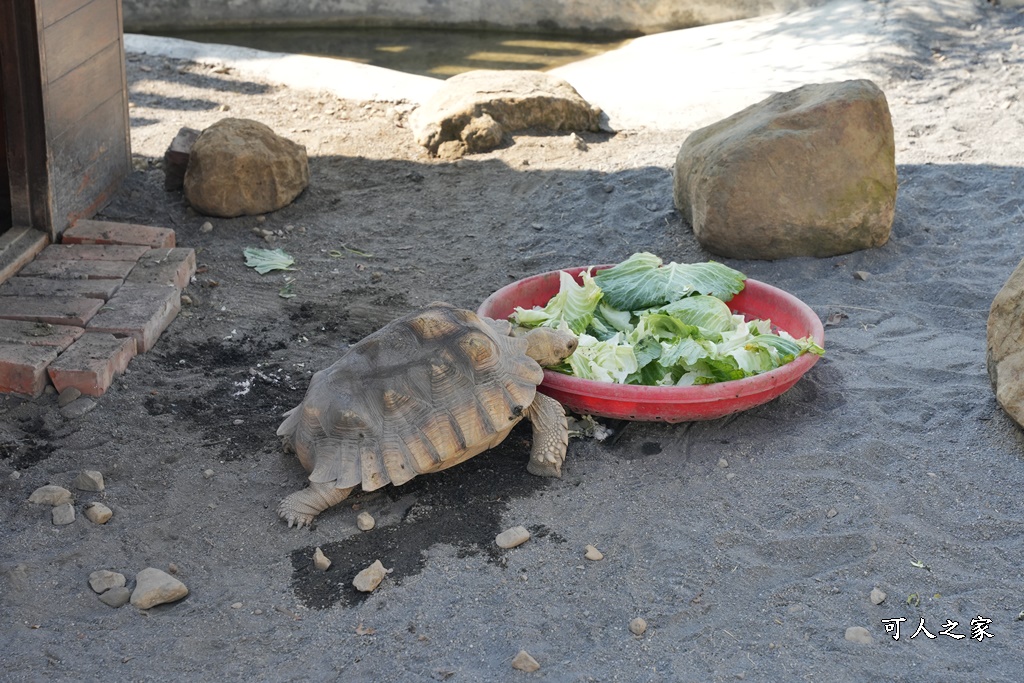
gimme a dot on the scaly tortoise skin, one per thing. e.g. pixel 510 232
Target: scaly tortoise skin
pixel 425 392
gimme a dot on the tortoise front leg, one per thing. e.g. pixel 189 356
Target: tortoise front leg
pixel 550 436
pixel 301 507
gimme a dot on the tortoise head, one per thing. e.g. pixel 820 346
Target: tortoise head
pixel 547 346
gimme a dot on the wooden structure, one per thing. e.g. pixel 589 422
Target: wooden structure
pixel 64 127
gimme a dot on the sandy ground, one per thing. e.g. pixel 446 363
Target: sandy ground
pixel 749 544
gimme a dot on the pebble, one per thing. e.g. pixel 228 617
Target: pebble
pixel 730 476
pixel 78 407
pixel 878 596
pixel 186 300
pixel 637 626
pixel 154 587
pixel 116 597
pixel 103 580
pixel 862 275
pixel 206 227
pixel 723 463
pixel 89 480
pixel 50 495
pixel 859 634
pixel 67 396
pixel 236 605
pixel 510 538
pixel 365 521
pixel 63 514
pixel 98 513
pixel 367 580
pixel 593 554
pixel 321 561
pixel 15 475
pixel 524 662
pixel 832 512
pixel 208 474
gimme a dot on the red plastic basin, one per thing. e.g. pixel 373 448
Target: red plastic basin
pixel 671 404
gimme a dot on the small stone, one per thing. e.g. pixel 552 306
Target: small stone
pixel 103 580
pixel 186 300
pixel 730 476
pixel 63 514
pixel 172 568
pixel 365 521
pixel 637 626
pixel 860 635
pixel 862 275
pixel 67 396
pixel 206 227
pixel 89 480
pixel 877 596
pixel 236 605
pixel 510 538
pixel 154 587
pixel 238 421
pixel 368 579
pixel 524 662
pixel 116 597
pixel 78 408
pixel 723 463
pixel 832 512
pixel 50 495
pixel 593 554
pixel 98 513
pixel 208 474
pixel 15 475
pixel 321 561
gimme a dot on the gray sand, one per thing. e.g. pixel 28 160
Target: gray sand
pixel 889 465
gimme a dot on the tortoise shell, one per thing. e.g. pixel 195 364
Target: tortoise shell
pixel 425 392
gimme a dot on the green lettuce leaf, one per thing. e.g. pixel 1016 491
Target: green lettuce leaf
pixel 642 282
pixel 604 361
pixel 573 307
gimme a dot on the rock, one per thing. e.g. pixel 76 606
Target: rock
pixel 104 579
pixel 78 408
pixel 241 167
pixel 877 596
pixel 809 172
pixel 723 463
pixel 206 227
pixel 98 513
pixel 50 495
pixel 524 662
pixel 473 111
pixel 321 561
pixel 89 480
pixel 208 474
pixel 637 626
pixel 510 538
pixel 154 587
pixel 593 554
pixel 176 158
pixel 63 514
pixel 67 396
pixel 116 597
pixel 365 521
pixel 862 275
pixel 1005 356
pixel 238 605
pixel 860 635
pixel 368 579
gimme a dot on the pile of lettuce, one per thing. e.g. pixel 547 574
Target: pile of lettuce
pixel 642 322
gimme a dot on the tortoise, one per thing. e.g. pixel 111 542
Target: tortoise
pixel 427 391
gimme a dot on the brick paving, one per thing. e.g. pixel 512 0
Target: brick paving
pixel 78 313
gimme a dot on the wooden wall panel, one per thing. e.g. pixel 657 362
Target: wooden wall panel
pixel 80 35
pixel 52 11
pixel 75 94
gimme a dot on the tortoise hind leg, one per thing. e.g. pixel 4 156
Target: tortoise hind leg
pixel 550 436
pixel 301 507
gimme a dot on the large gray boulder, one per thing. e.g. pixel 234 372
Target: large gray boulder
pixel 1006 345
pixel 809 172
pixel 240 167
pixel 473 111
